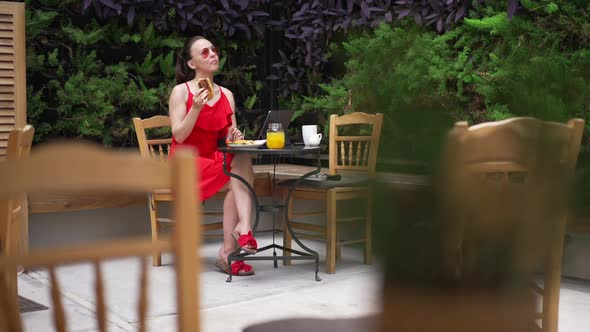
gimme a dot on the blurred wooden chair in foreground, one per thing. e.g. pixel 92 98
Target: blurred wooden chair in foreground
pixel 503 194
pixel 19 146
pixel 86 168
pixel 353 155
pixel 14 211
pixel 506 191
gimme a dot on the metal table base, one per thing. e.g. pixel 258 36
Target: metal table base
pixel 306 253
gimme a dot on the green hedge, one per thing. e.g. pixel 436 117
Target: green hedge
pixel 488 68
pixel 87 79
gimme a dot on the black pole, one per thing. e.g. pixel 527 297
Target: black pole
pixel 272 43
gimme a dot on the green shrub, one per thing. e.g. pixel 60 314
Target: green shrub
pixel 489 68
pixel 87 78
pixel 83 80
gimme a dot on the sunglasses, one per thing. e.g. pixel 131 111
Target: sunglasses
pixel 205 52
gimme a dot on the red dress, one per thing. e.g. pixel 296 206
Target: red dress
pixel 211 125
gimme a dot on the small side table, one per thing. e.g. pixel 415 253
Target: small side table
pixel 307 253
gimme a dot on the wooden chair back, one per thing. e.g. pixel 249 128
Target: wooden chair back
pixel 20 141
pixel 507 188
pixel 500 161
pixel 354 152
pixel 78 167
pixel 153 148
pixel 510 141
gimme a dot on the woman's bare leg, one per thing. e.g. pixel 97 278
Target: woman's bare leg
pixel 230 220
pixel 242 166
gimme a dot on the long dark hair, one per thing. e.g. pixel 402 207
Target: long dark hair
pixel 183 72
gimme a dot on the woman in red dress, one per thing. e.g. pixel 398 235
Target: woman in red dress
pixel 199 123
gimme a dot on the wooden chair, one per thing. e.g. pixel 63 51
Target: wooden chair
pixel 158 149
pixel 87 168
pixel 506 184
pixel 13 232
pixel 14 215
pixel 355 158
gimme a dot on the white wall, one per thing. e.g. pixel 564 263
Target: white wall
pixel 54 229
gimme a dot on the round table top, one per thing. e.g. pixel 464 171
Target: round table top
pixel 287 150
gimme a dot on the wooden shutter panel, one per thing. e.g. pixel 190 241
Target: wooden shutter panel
pixel 13 100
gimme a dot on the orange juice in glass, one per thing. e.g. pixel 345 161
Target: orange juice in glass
pixel 275 136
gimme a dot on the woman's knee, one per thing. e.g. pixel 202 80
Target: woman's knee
pixel 242 161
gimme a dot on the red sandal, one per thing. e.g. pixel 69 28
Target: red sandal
pixel 247 242
pixel 238 268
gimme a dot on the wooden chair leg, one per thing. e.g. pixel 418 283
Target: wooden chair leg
pixel 331 232
pixel 552 283
pixel 13 238
pixel 9 314
pixel 24 227
pixel 157 257
pixel 286 235
pixel 337 237
pixel 368 232
pixel 338 248
pixel 24 231
pixel 550 300
pixel 12 249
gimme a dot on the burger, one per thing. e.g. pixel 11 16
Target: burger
pixel 205 83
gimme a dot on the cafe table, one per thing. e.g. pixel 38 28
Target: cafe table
pixel 275 154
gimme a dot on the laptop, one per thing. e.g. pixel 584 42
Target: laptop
pixel 277 116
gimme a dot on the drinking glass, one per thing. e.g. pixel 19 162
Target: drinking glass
pixel 275 136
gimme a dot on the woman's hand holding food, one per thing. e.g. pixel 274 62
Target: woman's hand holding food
pixel 200 99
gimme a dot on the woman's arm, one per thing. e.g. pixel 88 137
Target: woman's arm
pixel 182 123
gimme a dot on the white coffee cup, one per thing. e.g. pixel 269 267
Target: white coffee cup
pixel 307 131
pixel 315 139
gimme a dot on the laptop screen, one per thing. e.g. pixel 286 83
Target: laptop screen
pixel 276 116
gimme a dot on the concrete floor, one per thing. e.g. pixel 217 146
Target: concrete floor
pixel 270 294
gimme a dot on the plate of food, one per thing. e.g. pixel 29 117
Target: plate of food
pixel 246 143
